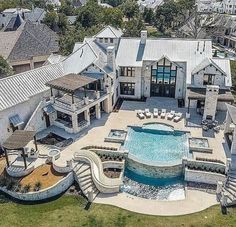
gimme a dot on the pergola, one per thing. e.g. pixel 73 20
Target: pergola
pixel 200 94
pixel 17 141
pixel 71 83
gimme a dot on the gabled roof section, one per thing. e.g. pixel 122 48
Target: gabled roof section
pixel 20 87
pixel 205 63
pixel 80 59
pixel 109 32
pixel 14 23
pixel 232 112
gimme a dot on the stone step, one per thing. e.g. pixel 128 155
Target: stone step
pixel 88 177
pixel 232 179
pixel 233 183
pixel 77 166
pixel 85 182
pixel 232 187
pixel 82 169
pixel 229 190
pixel 86 186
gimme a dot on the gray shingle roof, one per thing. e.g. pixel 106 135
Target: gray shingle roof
pixel 29 40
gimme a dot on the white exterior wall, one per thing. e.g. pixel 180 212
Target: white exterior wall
pixel 135 79
pixel 218 80
pixel 24 110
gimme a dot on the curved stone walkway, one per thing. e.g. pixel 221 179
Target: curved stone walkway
pixel 195 201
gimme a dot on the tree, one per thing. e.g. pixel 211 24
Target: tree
pixel 134 27
pixel 51 20
pixel 148 15
pixel 130 8
pixel 89 14
pixel 5 68
pixel 67 8
pixel 112 16
pixel 114 3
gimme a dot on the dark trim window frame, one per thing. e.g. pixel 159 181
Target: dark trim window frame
pixel 127 88
pixel 127 71
pixel 208 79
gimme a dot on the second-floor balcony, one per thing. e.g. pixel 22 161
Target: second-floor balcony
pixel 75 91
pixel 79 100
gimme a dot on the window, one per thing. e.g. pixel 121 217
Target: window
pixel 127 88
pixel 111 40
pixel 208 79
pixel 106 40
pixel 127 71
pixel 100 40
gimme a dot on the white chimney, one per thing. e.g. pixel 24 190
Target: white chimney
pixel 143 37
pixel 111 57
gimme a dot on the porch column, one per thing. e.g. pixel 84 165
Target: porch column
pixel 233 146
pixel 228 121
pixel 35 143
pixel 188 104
pixel 98 111
pixel 6 155
pixel 87 116
pixel 23 154
pixel 75 123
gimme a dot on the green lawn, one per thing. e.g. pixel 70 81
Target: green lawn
pixel 69 211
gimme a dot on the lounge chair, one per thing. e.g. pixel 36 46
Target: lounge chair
pixel 163 113
pixel 155 112
pixel 171 115
pixel 140 114
pixel 178 117
pixel 147 113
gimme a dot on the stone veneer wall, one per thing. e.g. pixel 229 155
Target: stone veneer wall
pixel 203 177
pixel 154 171
pixel 52 191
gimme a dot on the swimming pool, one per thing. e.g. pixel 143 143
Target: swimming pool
pixel 154 144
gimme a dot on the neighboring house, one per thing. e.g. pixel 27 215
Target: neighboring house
pixel 71 19
pixel 224 6
pixel 221 28
pixel 36 15
pixel 29 46
pixel 56 3
pixel 149 4
pixel 74 90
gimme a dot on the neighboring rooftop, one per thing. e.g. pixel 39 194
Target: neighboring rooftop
pixel 27 41
pixel 109 32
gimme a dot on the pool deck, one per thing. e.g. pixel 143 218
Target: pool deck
pixel 99 129
pixel 195 201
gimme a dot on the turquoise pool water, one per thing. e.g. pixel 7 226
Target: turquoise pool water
pixel 153 143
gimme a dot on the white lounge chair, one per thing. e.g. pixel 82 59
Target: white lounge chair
pixel 140 114
pixel 171 115
pixel 178 117
pixel 147 113
pixel 163 113
pixel 155 112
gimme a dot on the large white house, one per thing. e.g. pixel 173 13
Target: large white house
pixel 73 91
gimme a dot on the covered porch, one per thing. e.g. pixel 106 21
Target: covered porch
pixel 21 151
pixel 78 100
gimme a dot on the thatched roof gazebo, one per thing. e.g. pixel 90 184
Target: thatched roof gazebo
pixel 17 141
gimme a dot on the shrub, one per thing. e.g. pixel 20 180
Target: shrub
pixel 10 184
pixel 37 186
pixel 26 188
pixel 3 181
pixel 17 187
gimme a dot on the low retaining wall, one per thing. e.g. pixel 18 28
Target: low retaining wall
pixel 52 191
pixel 154 171
pixel 21 173
pixel 203 177
pixel 62 169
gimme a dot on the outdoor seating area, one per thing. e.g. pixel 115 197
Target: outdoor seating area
pixel 162 113
pixel 210 124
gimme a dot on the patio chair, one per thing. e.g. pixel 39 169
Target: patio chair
pixel 140 114
pixel 178 117
pixel 155 112
pixel 147 113
pixel 163 113
pixel 216 129
pixel 171 115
